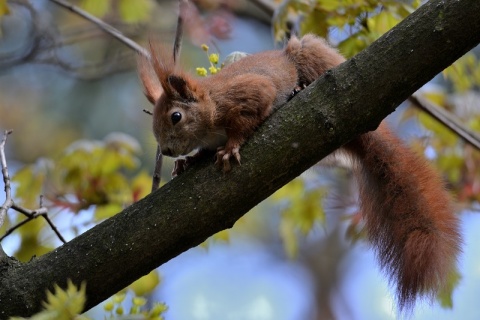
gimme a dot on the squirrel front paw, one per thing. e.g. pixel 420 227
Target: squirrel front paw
pixel 224 154
pixel 179 167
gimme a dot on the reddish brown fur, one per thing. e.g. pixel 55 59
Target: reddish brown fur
pixel 409 216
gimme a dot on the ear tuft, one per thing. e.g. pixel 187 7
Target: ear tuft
pixel 181 86
pixel 151 84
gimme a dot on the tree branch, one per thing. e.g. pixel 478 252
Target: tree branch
pixel 6 179
pixel 447 119
pixel 347 101
pixel 10 204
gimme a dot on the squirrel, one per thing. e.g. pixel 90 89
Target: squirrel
pixel 408 213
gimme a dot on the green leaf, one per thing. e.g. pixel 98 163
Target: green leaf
pixel 330 5
pixel 289 237
pixel 382 22
pixel 448 138
pixel 315 22
pixel 445 295
pixel 63 304
pixel 98 8
pixel 146 284
pixel 106 211
pixel 4 8
pixel 29 182
pixel 135 11
pixel 302 212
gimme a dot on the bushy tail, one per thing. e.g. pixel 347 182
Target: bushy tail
pixel 409 215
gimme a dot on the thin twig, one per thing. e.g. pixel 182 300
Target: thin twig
pixel 105 27
pixel 182 4
pixel 15 227
pixel 447 119
pixel 31 215
pixel 53 227
pixel 157 171
pixel 10 204
pixel 148 112
pixel 265 7
pixel 6 179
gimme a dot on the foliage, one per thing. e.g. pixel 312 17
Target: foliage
pixel 68 305
pixel 63 304
pixel 129 11
pixel 302 210
pixel 451 154
pixel 356 22
pixel 116 309
pixel 98 175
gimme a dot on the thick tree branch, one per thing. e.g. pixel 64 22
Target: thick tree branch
pixel 347 101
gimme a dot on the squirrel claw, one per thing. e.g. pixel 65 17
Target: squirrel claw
pixel 179 167
pixel 223 157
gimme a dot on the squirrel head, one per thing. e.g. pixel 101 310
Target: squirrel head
pixel 183 111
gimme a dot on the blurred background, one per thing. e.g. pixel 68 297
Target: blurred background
pixel 71 94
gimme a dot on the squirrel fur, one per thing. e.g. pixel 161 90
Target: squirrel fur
pixel 408 213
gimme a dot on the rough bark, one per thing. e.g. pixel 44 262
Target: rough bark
pixel 349 100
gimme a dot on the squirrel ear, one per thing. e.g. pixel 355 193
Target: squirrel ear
pixel 152 87
pixel 181 86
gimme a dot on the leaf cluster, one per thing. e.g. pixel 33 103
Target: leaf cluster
pixel 357 23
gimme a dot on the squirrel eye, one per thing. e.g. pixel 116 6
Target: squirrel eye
pixel 176 117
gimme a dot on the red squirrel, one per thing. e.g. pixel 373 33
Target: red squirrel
pixel 408 213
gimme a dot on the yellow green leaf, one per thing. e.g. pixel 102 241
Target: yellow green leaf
pixel 146 284
pixel 445 295
pixel 135 11
pixel 4 8
pixel 382 22
pixel 448 138
pixel 289 237
pixel 107 211
pixel 141 186
pixel 329 5
pixel 98 8
pixel 290 190
pixel 66 303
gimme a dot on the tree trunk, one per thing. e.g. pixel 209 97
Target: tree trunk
pixel 347 101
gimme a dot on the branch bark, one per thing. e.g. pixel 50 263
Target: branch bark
pixel 348 100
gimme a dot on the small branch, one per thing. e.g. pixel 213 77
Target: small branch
pixel 182 4
pixel 265 7
pixel 447 119
pixel 6 179
pixel 177 44
pixel 157 171
pixel 15 227
pixel 31 215
pixel 105 27
pixel 10 204
pixel 53 227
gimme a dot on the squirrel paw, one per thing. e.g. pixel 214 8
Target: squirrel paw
pixel 223 157
pixel 179 167
pixel 182 164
